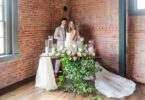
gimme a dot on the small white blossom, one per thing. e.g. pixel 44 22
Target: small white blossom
pixel 74 58
pixel 69 52
pixel 82 39
pixel 80 49
pixel 90 50
pixel 93 54
pixel 79 54
pixel 84 54
pixel 70 58
pixel 57 54
pixel 61 48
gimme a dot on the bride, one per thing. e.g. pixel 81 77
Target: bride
pixel 107 83
pixel 72 36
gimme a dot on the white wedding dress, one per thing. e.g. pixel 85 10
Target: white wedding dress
pixel 113 85
pixel 68 42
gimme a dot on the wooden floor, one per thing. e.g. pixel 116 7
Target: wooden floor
pixel 29 92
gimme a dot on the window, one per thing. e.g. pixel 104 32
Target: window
pixel 136 7
pixel 1 27
pixel 140 4
pixel 8 28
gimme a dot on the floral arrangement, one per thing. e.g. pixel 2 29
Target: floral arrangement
pixel 79 68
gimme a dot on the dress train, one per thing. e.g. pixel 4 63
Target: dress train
pixel 113 85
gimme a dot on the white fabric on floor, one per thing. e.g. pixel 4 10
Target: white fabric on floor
pixel 113 85
pixel 45 74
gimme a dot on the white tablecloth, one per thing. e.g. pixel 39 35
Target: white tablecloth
pixel 45 74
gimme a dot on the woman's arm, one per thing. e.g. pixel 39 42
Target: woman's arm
pixel 74 35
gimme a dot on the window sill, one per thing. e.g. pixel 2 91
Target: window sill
pixel 4 58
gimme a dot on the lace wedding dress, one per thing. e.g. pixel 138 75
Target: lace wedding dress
pixel 113 85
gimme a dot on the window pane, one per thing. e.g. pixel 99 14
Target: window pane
pixel 1 2
pixel 140 4
pixel 1 45
pixel 1 13
pixel 1 29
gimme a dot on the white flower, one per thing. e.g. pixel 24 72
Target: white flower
pixel 53 53
pixel 61 48
pixel 64 50
pixel 69 52
pixel 82 39
pixel 80 49
pixel 70 58
pixel 93 54
pixel 79 54
pixel 57 54
pixel 84 54
pixel 91 50
pixel 74 58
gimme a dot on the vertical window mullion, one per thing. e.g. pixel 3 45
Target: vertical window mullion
pixel 2 26
pixel 8 29
pixel 14 27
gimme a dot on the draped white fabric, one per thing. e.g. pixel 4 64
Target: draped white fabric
pixel 45 74
pixel 113 85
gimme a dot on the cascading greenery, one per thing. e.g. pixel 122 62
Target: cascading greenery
pixel 80 72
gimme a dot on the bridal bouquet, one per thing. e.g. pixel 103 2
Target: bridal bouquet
pixel 79 69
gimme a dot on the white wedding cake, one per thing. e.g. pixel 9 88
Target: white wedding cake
pixel 68 41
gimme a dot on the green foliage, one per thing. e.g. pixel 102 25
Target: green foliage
pixel 97 97
pixel 78 71
pixel 79 67
pixel 61 81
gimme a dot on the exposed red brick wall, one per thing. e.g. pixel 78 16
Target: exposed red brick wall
pixel 98 20
pixel 36 21
pixel 58 13
pixel 136 48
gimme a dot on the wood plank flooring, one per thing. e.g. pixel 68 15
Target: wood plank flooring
pixel 29 92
